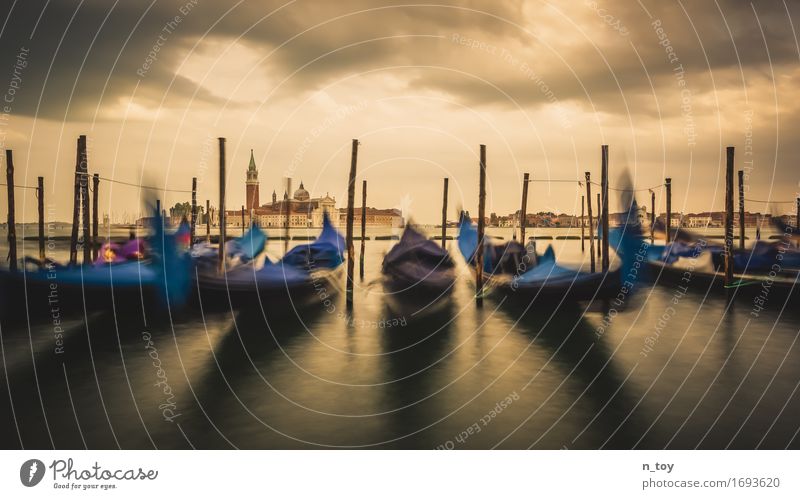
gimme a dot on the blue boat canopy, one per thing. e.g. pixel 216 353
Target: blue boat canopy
pixel 249 246
pixel 498 257
pixel 326 252
pixel 415 247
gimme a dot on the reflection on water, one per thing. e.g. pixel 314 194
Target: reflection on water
pixel 662 374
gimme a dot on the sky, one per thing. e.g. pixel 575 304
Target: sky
pixel 668 85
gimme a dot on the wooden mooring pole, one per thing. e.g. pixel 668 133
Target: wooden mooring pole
pixel 288 205
pixel 741 209
pixel 668 221
pixel 87 255
pixel 95 219
pixel 444 213
pixel 604 189
pixel 193 222
pixel 351 200
pixel 243 221
pixel 363 229
pixel 583 223
pixel 40 203
pixel 599 219
pixel 221 217
pixel 797 218
pixel 208 221
pixel 76 208
pixel 12 227
pixel 523 216
pixel 652 216
pixel 591 221
pixel 729 218
pixel 481 228
pixel 797 215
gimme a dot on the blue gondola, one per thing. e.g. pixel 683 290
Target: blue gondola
pixel 306 275
pixel 781 256
pixel 242 250
pixel 48 290
pixel 767 274
pixel 417 269
pixel 519 272
pixel 326 252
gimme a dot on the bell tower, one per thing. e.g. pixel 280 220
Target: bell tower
pixel 252 185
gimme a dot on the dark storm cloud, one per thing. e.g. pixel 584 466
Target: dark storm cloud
pixel 601 69
pixel 100 47
pixel 88 55
pixel 85 55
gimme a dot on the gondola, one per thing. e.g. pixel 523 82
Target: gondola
pixel 49 291
pixel 779 256
pixel 789 233
pixel 307 275
pixel 417 273
pixel 699 274
pixel 761 258
pixel 519 272
pixel 767 273
pixel 238 251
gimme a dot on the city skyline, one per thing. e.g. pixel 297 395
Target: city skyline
pixel 420 93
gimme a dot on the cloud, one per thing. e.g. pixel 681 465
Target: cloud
pixel 546 81
pixel 85 56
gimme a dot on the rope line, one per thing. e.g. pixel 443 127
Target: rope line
pixel 581 183
pixel 21 186
pixel 131 184
pixel 183 191
pixel 793 201
pixel 630 190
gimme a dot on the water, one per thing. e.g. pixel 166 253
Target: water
pixel 465 377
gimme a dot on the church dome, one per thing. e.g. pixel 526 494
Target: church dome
pixel 301 194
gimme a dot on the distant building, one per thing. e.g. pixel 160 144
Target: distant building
pixel 145 222
pixel 702 220
pixel 698 221
pixel 716 219
pixel 789 220
pixel 564 220
pixel 251 185
pixel 301 209
pixel 375 217
pixel 622 218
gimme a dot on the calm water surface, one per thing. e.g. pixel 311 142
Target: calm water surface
pixel 707 375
